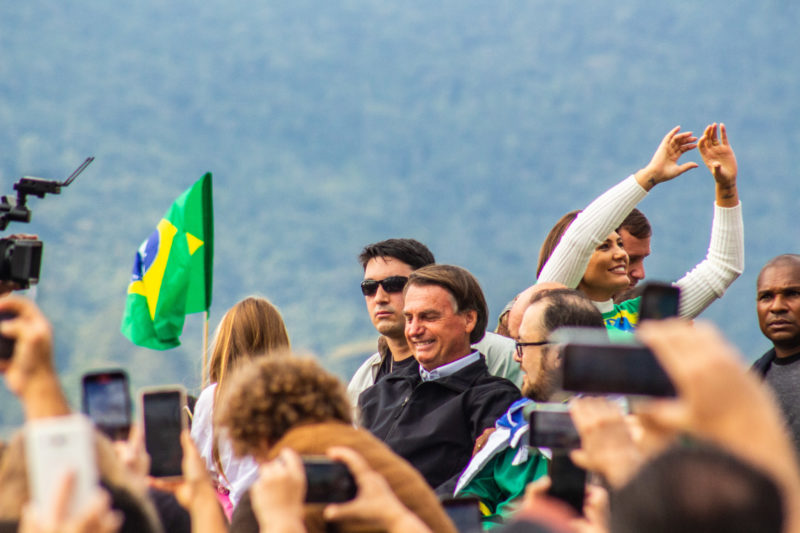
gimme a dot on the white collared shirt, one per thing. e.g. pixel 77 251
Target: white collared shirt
pixel 449 368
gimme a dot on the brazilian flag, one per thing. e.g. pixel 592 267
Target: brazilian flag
pixel 172 271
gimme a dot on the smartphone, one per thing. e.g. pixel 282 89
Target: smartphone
pixel 105 398
pixel 465 514
pixel 551 426
pixel 328 481
pixel 57 446
pixel 163 420
pixel 659 301
pixel 610 368
pixel 6 344
pixel 567 481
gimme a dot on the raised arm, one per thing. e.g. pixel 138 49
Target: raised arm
pixel 725 259
pixel 569 259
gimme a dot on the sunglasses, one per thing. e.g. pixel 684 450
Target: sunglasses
pixel 391 284
pixel 521 345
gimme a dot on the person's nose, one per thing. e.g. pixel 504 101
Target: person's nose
pixel 413 327
pixel 778 304
pixel 381 295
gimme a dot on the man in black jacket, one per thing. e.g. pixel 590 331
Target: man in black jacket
pixel 432 412
pixel 778 306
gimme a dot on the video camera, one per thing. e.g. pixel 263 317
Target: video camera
pixel 21 259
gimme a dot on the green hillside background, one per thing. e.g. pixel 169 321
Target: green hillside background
pixel 469 125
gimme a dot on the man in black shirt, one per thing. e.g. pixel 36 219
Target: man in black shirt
pixel 778 306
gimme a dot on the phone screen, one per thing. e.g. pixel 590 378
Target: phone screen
pixel 164 419
pixel 553 429
pixel 659 301
pixel 465 514
pixel 567 481
pixel 106 400
pixel 614 369
pixel 328 481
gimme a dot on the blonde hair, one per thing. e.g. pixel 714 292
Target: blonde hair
pixel 251 328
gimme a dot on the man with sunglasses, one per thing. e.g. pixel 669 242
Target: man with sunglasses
pixel 387 265
pixel 431 412
pixel 503 465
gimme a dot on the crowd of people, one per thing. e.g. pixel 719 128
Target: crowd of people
pixel 437 419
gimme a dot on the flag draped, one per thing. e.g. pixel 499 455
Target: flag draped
pixel 172 271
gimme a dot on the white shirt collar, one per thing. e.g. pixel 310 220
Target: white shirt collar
pixel 450 368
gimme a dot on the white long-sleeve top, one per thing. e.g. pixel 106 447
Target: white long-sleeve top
pixel 240 473
pixel 707 281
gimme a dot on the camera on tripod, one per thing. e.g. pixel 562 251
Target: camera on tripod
pixel 21 258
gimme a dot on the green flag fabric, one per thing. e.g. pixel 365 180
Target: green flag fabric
pixel 172 272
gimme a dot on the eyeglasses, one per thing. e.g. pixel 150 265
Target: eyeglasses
pixel 520 345
pixel 391 284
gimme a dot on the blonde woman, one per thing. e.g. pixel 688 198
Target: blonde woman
pixel 252 328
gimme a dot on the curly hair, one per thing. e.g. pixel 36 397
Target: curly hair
pixel 267 397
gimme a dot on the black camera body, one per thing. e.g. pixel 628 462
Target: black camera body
pixel 20 261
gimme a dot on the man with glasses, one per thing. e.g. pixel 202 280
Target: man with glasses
pixel 387 265
pixel 503 465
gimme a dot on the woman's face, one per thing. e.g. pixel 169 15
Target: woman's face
pixel 607 272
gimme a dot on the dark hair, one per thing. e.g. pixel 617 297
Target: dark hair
pixel 637 225
pixel 697 489
pixel 464 288
pixel 268 396
pixel 409 251
pixel 568 308
pixel 553 238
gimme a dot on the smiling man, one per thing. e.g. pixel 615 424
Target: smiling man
pixel 387 265
pixel 432 412
pixel 778 308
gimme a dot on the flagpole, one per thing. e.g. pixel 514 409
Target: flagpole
pixel 205 350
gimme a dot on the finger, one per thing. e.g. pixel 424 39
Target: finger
pixel 537 489
pixel 714 138
pixel 293 462
pixel 724 133
pixel 58 512
pixel 664 417
pixel 688 146
pixel 580 458
pixel 355 462
pixel 686 166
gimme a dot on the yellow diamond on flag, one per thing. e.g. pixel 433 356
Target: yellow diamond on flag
pixel 193 242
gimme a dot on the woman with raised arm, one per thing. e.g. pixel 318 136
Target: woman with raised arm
pixel 584 251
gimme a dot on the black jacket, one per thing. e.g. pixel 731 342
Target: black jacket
pixel 434 424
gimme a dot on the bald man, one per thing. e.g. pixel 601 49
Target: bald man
pixel 778 308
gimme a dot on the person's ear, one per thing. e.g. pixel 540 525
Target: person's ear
pixel 470 320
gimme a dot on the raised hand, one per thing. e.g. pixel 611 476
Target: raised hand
pixel 664 164
pixel 718 156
